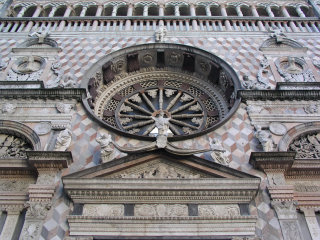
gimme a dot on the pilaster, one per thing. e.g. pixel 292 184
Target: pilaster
pixel 312 222
pixel 48 165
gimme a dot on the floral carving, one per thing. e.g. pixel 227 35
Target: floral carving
pixel 64 108
pixel 37 210
pixel 13 147
pixel 307 146
pixel 8 108
pixel 216 210
pixel 161 210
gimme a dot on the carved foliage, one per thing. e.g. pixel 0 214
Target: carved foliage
pixel 158 169
pixel 218 210
pixel 307 146
pixel 110 210
pixel 161 210
pixel 13 147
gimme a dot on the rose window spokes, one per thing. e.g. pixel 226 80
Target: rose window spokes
pixel 142 112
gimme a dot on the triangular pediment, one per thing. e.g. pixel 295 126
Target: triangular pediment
pixel 159 165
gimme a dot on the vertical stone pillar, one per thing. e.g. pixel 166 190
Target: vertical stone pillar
pixel 129 14
pixel 48 165
pixel 37 12
pixel 312 222
pixel 285 12
pixel 208 11
pixel 98 14
pixel 177 10
pixel 22 11
pixel 224 14
pixel 145 10
pixel 300 12
pixel 83 11
pixel 161 10
pixel 239 12
pixel 287 215
pixel 269 11
pixel 53 10
pixel 256 14
pixel 193 13
pixel 13 213
pixel 68 11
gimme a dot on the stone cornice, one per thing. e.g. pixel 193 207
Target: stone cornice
pixel 279 94
pixel 49 159
pixel 285 162
pixel 164 190
pixel 47 93
pixel 272 160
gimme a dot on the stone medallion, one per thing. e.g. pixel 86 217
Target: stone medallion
pixel 42 128
pixel 277 128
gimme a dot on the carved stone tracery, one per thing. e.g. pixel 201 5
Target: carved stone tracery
pixel 13 147
pixel 307 146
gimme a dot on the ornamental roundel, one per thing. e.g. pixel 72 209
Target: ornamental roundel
pixel 193 90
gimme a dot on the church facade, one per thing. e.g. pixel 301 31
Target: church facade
pixel 160 120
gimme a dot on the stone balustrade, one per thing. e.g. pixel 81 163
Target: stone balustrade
pixel 172 23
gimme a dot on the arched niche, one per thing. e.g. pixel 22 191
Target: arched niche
pixel 21 133
pixel 296 132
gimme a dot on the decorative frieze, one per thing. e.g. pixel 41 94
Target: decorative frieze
pixel 218 210
pixel 108 210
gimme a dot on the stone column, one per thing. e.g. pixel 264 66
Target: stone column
pixel 129 14
pixel 256 14
pixel 161 10
pixel 145 10
pixel 98 14
pixel 208 11
pixel 177 10
pixel 83 11
pixel 239 12
pixel 22 11
pixel 68 11
pixel 285 12
pixel 37 12
pixel 312 222
pixel 53 10
pixel 287 215
pixel 269 11
pixel 13 213
pixel 193 13
pixel 224 13
pixel 300 12
pixel 99 11
pixel 48 165
pixel 114 11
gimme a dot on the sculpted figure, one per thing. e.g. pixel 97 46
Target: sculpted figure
pixel 107 152
pixel 219 154
pixel 63 140
pixel 162 123
pixel 277 33
pixel 67 82
pixel 41 34
pixel 160 34
pixel 265 139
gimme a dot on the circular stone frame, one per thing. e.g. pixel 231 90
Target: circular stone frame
pixel 204 75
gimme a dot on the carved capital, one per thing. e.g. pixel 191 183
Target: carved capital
pixel 285 209
pixel 12 209
pixel 37 210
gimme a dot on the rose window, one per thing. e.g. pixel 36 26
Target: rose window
pixel 131 90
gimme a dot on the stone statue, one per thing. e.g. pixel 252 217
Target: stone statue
pixel 219 154
pixel 63 140
pixel 67 82
pixel 254 85
pixel 41 34
pixel 265 139
pixel 160 34
pixel 277 33
pixel 162 123
pixel 107 152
